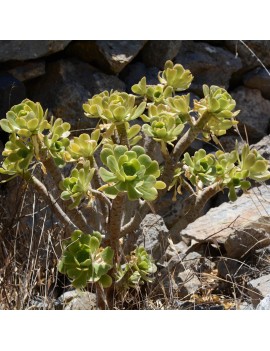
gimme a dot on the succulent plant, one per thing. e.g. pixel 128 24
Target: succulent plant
pixel 132 172
pixel 231 170
pixel 137 270
pixel 25 119
pixel 180 106
pixel 77 186
pixel 83 260
pixel 113 107
pixel 18 156
pixel 57 140
pixel 219 105
pixel 175 76
pixel 83 146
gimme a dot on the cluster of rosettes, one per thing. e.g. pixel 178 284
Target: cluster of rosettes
pixel 219 105
pixel 137 270
pixel 84 261
pixel 230 170
pixel 78 185
pixel 113 107
pixel 130 171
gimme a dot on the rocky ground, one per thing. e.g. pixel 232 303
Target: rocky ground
pixel 220 261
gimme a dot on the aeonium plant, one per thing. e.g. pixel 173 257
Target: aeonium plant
pixel 117 164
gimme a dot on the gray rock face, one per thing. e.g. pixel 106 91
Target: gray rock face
pixel 152 235
pixel 157 52
pixel 21 50
pixel 258 79
pixel 261 49
pixel 209 64
pixel 259 288
pixel 264 304
pixel 255 113
pixel 28 71
pixel 69 83
pixel 111 55
pixel 242 226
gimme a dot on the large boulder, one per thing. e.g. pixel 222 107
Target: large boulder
pixel 242 226
pixel 250 51
pixel 157 52
pixel 67 85
pixel 254 115
pixel 208 64
pixel 109 55
pixel 22 50
pixel 258 79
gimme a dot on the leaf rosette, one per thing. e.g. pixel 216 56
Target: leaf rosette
pixel 25 119
pixel 84 261
pixel 113 107
pixel 130 171
pixel 137 270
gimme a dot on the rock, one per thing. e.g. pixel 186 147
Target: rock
pixel 157 52
pixel 259 288
pixel 174 250
pixel 244 222
pixel 259 48
pixel 176 283
pixel 208 64
pixel 258 79
pixel 245 306
pixel 228 142
pixel 76 300
pixel 229 269
pixel 254 115
pixel 110 55
pixel 68 84
pixel 22 50
pixel 12 92
pixel 264 303
pixel 28 71
pixel 134 72
pixel 153 236
pixel 263 147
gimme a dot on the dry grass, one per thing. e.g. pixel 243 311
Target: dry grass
pixel 30 240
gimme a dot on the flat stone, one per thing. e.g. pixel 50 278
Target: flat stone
pixel 28 71
pixel 22 50
pixel 259 288
pixel 254 115
pixel 244 222
pixel 157 52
